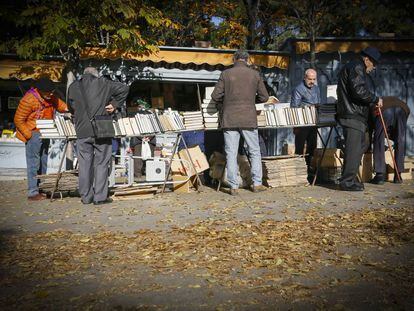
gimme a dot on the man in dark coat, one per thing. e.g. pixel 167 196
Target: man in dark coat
pixel 354 101
pixel 236 90
pixel 395 113
pixel 94 154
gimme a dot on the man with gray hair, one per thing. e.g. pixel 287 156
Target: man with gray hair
pixel 236 89
pixel 89 97
pixel 306 93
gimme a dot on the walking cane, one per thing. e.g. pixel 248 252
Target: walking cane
pixel 389 145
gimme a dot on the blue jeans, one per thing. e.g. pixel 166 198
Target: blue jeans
pixel 231 146
pixel 36 160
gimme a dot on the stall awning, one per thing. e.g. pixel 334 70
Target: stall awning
pixel 23 70
pixel 211 57
pixel 355 46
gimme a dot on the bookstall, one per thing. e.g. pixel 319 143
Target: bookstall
pixel 147 122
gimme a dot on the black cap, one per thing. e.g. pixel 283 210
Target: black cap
pixel 372 53
pixel 45 85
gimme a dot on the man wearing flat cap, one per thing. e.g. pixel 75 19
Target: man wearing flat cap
pixel 354 102
pixel 38 103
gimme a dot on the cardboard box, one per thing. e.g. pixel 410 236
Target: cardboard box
pixel 198 158
pixel 185 186
pixel 366 168
pixel 332 157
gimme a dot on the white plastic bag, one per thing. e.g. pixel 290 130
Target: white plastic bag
pixel 145 150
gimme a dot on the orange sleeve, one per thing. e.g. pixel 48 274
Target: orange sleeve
pixel 61 106
pixel 20 118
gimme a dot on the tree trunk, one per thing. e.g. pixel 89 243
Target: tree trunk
pixel 312 45
pixel 252 8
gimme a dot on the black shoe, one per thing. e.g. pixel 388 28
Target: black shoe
pixel 353 187
pixel 107 201
pixel 377 180
pixel 396 180
pixel 360 184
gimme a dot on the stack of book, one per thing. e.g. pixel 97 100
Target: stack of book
pixel 261 119
pixel 146 122
pixel 209 109
pixel 171 121
pixel 143 123
pixel 193 120
pixel 326 113
pixel 280 115
pixel 60 127
pixel 47 129
pixel 65 127
pixel 284 171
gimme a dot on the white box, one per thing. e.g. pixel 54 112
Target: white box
pixel 155 170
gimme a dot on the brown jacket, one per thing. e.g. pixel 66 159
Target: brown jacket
pixel 236 89
pixel 33 107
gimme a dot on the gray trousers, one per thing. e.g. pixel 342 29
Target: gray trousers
pixel 231 146
pixel 94 157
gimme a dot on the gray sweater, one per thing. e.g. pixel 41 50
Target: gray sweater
pixel 99 93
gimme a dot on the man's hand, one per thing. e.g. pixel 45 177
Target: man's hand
pixel 380 103
pixel 109 108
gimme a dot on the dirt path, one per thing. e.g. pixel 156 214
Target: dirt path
pixel 288 248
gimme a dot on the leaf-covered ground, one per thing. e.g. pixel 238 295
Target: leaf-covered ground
pixel 288 248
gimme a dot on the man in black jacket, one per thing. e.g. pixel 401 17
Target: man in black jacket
pixel 94 154
pixel 354 101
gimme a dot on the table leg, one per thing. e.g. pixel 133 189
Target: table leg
pixel 325 145
pixel 59 174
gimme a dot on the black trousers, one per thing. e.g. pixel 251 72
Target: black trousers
pixel 306 135
pixel 355 146
pixel 395 120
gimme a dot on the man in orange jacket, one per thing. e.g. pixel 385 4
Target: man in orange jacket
pixel 38 103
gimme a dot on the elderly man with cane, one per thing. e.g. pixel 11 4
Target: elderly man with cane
pixel 391 122
pixel 354 101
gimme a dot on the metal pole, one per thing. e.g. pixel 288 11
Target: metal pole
pixel 59 173
pixel 177 141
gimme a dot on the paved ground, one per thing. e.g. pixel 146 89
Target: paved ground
pixel 288 248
